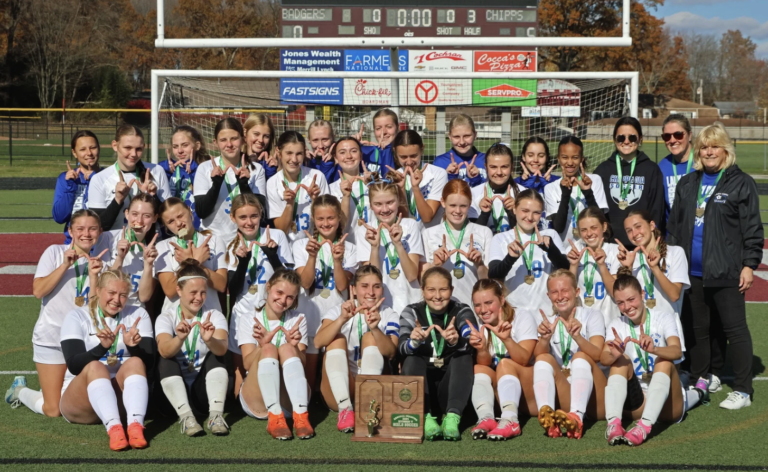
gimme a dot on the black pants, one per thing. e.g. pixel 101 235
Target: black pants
pixel 198 394
pixel 446 389
pixel 708 307
pixel 717 340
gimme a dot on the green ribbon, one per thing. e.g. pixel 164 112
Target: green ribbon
pixel 457 244
pixel 648 278
pixel 194 335
pixel 131 238
pixel 565 349
pixel 702 197
pixel 266 326
pixel 359 200
pixel 527 258
pixel 233 191
pixel 497 217
pixel 326 270
pixel 295 200
pixel 625 188
pixel 113 347
pixel 589 280
pixel 411 197
pixel 253 267
pixel 394 259
pixel 642 355
pixel 80 278
pixel 182 194
pixel 183 242
pixel 687 168
pixel 498 346
pixel 437 345
pixel 574 204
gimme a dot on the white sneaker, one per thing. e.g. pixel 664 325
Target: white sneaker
pixel 714 383
pixel 735 401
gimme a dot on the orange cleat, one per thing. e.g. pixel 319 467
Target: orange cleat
pixel 136 436
pixel 301 425
pixel 117 441
pixel 570 423
pixel 547 421
pixel 278 428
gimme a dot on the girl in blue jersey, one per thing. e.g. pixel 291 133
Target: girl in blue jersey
pixel 536 164
pixel 186 153
pixel 377 156
pixel 463 161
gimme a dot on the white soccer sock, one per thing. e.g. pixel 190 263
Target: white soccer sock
pixel 372 362
pixel 104 402
pixel 615 396
pixel 296 384
pixel 581 386
pixel 509 396
pixel 658 391
pixel 176 392
pixel 32 399
pixel 544 384
pixel 337 369
pixel 693 398
pixel 269 384
pixel 135 398
pixel 216 383
pixel 482 396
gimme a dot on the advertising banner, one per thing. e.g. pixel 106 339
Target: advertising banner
pixel 368 92
pixel 435 92
pixel 369 60
pixel 321 91
pixel 504 92
pixel 505 61
pixel 440 61
pixel 312 60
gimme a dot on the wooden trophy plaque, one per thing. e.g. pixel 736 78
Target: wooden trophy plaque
pixel 389 408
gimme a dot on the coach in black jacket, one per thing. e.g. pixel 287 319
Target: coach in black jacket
pixel 716 220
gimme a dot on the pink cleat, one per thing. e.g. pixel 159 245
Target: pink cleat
pixel 346 422
pixel 615 432
pixel 480 431
pixel 638 434
pixel 506 429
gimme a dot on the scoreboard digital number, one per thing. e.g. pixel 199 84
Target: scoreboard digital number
pixel 394 18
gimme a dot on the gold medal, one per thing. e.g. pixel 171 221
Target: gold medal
pixel 112 360
pixel 699 212
pixel 360 222
pixel 458 273
pixel 589 301
pixel 529 279
pixel 191 367
pixel 80 301
pixel 253 289
pixel 576 233
pixel 623 205
pixel 566 371
pixel 360 363
pixel 394 273
pixel 650 303
pixel 293 227
pixel 439 362
pixel 325 293
pixel 646 377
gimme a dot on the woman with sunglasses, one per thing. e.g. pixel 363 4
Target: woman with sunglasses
pixel 677 135
pixel 632 181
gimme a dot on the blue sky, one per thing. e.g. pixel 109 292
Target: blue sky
pixel 718 16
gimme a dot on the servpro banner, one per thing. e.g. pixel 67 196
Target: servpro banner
pixel 504 92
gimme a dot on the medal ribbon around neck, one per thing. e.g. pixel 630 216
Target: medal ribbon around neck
pixel 394 259
pixel 704 196
pixel 527 258
pixel 326 270
pixel 183 242
pixel 253 266
pixel 498 345
pixel 574 204
pixel 232 191
pixel 437 345
pixel 113 347
pixel 687 168
pixel 359 200
pixel 457 244
pixel 625 188
pixel 648 278
pixel 190 348
pixel 279 338
pixel 589 279
pixel 411 197
pixel 565 349
pixel 80 278
pixel 131 238
pixel 642 355
pixel 295 200
pixel 498 218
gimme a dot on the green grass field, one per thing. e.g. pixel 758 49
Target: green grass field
pixel 708 437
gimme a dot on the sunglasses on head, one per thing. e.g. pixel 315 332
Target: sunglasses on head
pixel 677 135
pixel 632 138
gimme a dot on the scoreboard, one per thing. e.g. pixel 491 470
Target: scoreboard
pixel 399 18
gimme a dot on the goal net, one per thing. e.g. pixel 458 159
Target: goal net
pixel 503 110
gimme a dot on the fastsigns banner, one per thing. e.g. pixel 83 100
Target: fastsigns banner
pixel 505 61
pixel 319 91
pixel 439 61
pixel 435 92
pixel 504 92
pixel 368 92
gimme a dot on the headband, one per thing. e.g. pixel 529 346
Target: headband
pixel 190 277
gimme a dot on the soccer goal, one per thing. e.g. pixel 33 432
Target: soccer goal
pixel 507 107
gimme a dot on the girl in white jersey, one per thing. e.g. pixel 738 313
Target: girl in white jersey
pixel 192 341
pixel 357 335
pixel 325 262
pixel 111 189
pixel 277 342
pixel 186 243
pixel 131 254
pixel 504 344
pixel 108 346
pixel 351 188
pixel 223 178
pixel 662 270
pixel 573 193
pixel 424 204
pixel 523 257
pixel 493 202
pixel 62 281
pixel 566 369
pixel 643 383
pixel 291 190
pixel 394 246
pixel 593 262
pixel 252 257
pixel 458 245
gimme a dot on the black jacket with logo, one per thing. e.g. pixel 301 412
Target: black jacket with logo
pixel 646 192
pixel 733 230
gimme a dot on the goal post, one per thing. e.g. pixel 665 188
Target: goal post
pixel 509 107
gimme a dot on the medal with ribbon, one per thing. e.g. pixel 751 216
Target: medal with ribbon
pixel 458 270
pixel 498 218
pixel 279 336
pixel 648 282
pixel 437 347
pixel 294 218
pixel 589 280
pixel 565 349
pixel 190 347
pixel 703 197
pixel 687 168
pixel 253 267
pixel 233 190
pixel 527 256
pixel 112 355
pixel 392 256
pixel 410 196
pixel 574 204
pixel 80 279
pixel 625 188
pixel 326 270
pixel 643 355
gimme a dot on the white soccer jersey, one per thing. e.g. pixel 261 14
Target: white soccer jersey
pixel 101 190
pixel 291 317
pixel 398 292
pixel 133 265
pixel 276 203
pixel 262 270
pixel 524 328
pixel 603 300
pixel 355 328
pixel 433 180
pixel 78 324
pixel 481 238
pixel 219 221
pixel 354 199
pixel 166 262
pixel 497 213
pixel 166 324
pixel 61 300
pixel 663 326
pixel 592 324
pixel 533 296
pixel 553 193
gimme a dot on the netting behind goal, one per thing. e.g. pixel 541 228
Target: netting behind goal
pixel 503 110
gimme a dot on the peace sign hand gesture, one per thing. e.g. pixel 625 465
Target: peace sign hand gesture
pixel 503 331
pixel 472 170
pixel 547 329
pixel 449 333
pixel 243 248
pixel 574 256
pixel 72 174
pixel 337 249
pixel 203 252
pixel 373 235
pixel 372 316
pixel 183 329
pixel 453 167
pixel 476 338
pixel 107 336
pixel 548 175
pixel 626 257
pixel 526 173
pixel 585 183
pixel 617 345
pixel 645 342
pixel 132 337
pixel 419 334
pixel 269 243
pixel 206 328
pixel 260 333
pixel 148 186
pixel 293 336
